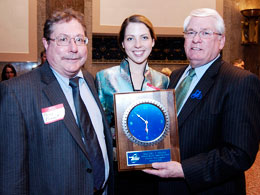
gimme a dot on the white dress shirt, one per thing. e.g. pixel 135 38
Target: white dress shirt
pixel 200 71
pixel 92 107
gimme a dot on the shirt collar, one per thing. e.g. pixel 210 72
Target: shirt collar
pixel 63 79
pixel 201 69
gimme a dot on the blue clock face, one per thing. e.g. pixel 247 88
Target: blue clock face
pixel 146 122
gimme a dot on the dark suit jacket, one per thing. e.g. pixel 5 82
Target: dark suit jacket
pixel 38 158
pixel 218 132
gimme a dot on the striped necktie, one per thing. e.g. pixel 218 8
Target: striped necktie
pixel 183 88
pixel 88 135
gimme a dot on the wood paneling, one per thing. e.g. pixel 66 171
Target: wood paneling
pixel 52 5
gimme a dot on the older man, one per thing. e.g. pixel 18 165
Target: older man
pixel 54 138
pixel 218 115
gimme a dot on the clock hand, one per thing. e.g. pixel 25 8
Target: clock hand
pixel 140 117
pixel 145 121
pixel 146 127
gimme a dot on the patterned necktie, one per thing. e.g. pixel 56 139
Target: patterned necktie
pixel 88 135
pixel 183 88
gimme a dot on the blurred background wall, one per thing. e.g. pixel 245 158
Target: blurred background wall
pixel 230 9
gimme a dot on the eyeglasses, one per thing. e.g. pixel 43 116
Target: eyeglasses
pixel 64 40
pixel 205 34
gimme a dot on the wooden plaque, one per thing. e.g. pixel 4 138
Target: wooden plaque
pixel 146 128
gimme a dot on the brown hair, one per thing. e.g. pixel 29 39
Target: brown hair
pixel 65 16
pixel 135 19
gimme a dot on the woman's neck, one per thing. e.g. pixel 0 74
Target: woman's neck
pixel 137 68
pixel 137 74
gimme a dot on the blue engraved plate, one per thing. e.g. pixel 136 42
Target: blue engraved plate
pixel 147 157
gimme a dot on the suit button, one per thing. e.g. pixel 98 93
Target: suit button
pixel 89 170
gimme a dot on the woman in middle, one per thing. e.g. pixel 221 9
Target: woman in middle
pixel 136 39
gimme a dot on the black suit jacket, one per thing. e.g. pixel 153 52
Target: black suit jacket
pixel 218 131
pixel 38 158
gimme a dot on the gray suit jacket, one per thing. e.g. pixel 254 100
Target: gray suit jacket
pixel 219 129
pixel 38 158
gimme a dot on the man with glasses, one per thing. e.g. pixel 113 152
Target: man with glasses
pixel 218 109
pixel 54 138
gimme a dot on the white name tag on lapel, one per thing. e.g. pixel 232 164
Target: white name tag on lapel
pixel 53 113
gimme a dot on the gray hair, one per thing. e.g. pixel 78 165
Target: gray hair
pixel 206 12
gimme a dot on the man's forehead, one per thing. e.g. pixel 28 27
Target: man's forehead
pixel 65 27
pixel 203 19
pixel 202 23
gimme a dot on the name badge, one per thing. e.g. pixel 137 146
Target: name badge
pixel 53 113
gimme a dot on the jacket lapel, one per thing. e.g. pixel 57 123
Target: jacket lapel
pixel 199 92
pixel 55 95
pixel 175 77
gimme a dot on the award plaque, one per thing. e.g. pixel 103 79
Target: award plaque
pixel 146 128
